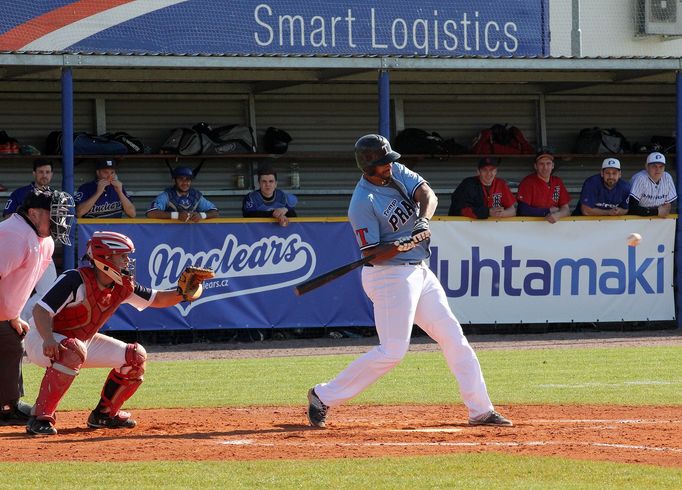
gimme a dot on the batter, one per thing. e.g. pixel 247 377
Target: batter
pixel 391 203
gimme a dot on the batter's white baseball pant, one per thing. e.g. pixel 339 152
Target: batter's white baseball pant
pixel 402 296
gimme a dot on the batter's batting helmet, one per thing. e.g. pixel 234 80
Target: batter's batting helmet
pixel 105 244
pixel 372 150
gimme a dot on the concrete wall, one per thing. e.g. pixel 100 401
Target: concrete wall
pixel 608 29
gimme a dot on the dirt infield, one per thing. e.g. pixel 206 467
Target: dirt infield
pixel 649 435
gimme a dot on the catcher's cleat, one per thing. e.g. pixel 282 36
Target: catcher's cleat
pixel 492 418
pixel 17 413
pixel 317 411
pixel 37 427
pixel 99 420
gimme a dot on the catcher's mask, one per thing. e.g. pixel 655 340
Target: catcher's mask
pixel 103 246
pixel 61 207
pixel 373 150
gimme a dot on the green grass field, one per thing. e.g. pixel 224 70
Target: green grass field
pixel 622 376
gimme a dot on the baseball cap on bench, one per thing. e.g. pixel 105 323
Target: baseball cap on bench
pixel 655 157
pixel 488 162
pixel 611 163
pixel 105 163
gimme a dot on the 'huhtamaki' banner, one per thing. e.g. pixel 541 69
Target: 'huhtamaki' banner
pixel 492 272
pixel 570 271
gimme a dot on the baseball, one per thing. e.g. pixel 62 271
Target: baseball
pixel 634 239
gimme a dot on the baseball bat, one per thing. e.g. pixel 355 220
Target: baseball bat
pixel 385 250
pixel 323 279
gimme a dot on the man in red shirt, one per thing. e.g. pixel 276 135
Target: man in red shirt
pixel 483 195
pixel 543 194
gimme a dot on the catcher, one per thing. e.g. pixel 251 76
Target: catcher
pixel 67 319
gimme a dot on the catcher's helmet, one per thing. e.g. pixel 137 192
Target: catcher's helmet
pixel 105 244
pixel 372 150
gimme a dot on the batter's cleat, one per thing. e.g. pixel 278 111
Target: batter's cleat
pixel 99 420
pixel 492 418
pixel 317 411
pixel 15 413
pixel 37 427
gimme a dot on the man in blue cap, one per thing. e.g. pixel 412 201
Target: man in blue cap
pixel 181 202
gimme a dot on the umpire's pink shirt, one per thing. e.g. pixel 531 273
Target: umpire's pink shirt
pixel 24 256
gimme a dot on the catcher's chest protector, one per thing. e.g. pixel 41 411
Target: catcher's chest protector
pixel 83 320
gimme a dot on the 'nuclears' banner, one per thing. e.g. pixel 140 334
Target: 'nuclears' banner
pixel 333 27
pixel 256 264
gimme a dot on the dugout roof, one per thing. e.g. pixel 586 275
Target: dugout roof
pixel 258 74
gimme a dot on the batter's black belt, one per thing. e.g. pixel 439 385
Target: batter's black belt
pixel 404 263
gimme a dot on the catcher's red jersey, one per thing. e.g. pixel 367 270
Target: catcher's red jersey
pixel 83 320
pixel 540 194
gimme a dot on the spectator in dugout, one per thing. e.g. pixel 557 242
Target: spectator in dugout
pixel 652 190
pixel 542 194
pixel 182 202
pixel 42 177
pixel 483 195
pixel 604 194
pixel 268 201
pixel 104 197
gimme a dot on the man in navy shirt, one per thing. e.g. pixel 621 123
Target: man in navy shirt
pixel 604 194
pixel 104 197
pixel 42 176
pixel 268 200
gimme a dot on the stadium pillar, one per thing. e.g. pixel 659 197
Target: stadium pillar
pixel 67 154
pixel 384 104
pixel 678 228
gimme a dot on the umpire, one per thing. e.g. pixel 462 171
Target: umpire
pixel 27 244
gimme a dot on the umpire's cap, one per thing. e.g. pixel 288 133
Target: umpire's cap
pixel 183 172
pixel 37 199
pixel 372 150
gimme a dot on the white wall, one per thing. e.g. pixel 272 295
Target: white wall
pixel 608 29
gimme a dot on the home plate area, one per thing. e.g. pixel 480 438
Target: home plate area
pixel 646 435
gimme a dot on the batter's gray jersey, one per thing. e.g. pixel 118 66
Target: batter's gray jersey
pixel 651 194
pixel 380 214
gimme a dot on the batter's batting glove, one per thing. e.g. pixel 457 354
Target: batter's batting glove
pixel 405 243
pixel 421 230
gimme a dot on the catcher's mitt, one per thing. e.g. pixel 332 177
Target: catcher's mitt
pixel 189 284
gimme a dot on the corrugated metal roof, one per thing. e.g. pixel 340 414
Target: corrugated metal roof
pixel 362 62
pixel 331 56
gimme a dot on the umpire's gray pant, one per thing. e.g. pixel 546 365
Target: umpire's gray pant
pixel 11 353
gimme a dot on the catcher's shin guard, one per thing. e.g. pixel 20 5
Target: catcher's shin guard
pixel 122 383
pixel 58 378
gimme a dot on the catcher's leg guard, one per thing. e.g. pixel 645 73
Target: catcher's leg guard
pixel 58 378
pixel 120 385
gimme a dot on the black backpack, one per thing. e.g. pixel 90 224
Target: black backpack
pixel 133 144
pixel 597 141
pixel 182 141
pixel 413 141
pixel 233 138
pixel 276 140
